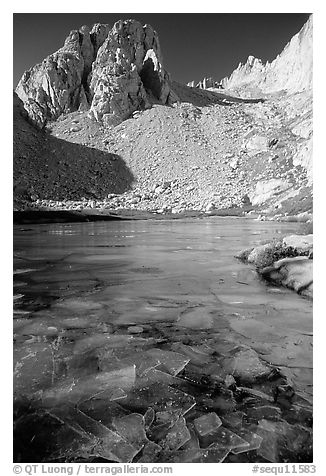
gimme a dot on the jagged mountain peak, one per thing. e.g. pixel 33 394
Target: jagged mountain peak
pixel 290 71
pixel 111 71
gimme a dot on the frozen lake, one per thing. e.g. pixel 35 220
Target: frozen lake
pixel 148 341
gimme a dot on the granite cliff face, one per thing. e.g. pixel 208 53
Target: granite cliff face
pixel 290 72
pixel 112 72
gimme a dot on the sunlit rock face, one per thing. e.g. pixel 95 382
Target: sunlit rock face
pixel 291 71
pixel 128 73
pixel 111 72
pixel 59 83
pixel 289 77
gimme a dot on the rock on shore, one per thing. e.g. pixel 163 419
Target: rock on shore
pixel 287 262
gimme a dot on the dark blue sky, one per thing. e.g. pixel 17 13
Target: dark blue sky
pixel 194 45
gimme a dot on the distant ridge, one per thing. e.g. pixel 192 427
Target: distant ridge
pixel 291 70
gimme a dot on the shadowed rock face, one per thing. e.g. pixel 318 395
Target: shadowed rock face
pixel 59 83
pixel 111 72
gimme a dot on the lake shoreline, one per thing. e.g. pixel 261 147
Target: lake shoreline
pixel 64 215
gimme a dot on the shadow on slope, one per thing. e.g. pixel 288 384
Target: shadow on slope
pixel 203 97
pixel 51 168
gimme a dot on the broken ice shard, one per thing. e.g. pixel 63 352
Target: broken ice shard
pixel 132 428
pixel 177 436
pixel 157 376
pixel 149 453
pixel 102 410
pixel 68 442
pixel 110 444
pixel 233 420
pixel 227 439
pixel 193 443
pixel 160 397
pixel 265 411
pixel 252 438
pixel 207 424
pixel 193 353
pixel 76 390
pixel 172 361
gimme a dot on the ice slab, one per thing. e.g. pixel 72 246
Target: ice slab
pixel 194 355
pixel 233 420
pixel 197 456
pixel 171 361
pixel 198 318
pixel 135 329
pixel 110 444
pixel 17 297
pixel 75 390
pixel 268 412
pixel 228 439
pixel 193 443
pixel 207 424
pixel 142 361
pixel 132 428
pixel 269 446
pixel 284 442
pixel 32 442
pixel 34 368
pixel 113 341
pixel 80 366
pixel 198 376
pixel 101 409
pixel 78 305
pixel 159 397
pixel 256 393
pixel 252 438
pixel 222 401
pixel 164 420
pixel 298 414
pixel 23 271
pixel 149 453
pixel 80 322
pixel 177 436
pixel 215 372
pixel 167 417
pixel 246 366
pixel 157 376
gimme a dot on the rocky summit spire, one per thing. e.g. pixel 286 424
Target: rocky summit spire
pixel 112 72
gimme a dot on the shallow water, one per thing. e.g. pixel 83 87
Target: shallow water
pixel 116 319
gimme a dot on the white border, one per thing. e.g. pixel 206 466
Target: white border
pixel 59 6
